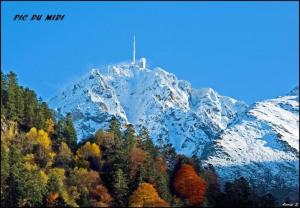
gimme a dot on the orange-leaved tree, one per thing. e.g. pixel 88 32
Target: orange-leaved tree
pixel 188 185
pixel 101 196
pixel 146 196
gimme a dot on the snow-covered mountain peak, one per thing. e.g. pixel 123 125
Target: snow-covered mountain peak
pixel 171 109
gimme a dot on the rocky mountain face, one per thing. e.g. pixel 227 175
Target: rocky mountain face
pixel 259 142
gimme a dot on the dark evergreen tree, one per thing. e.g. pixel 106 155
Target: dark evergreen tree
pixel 213 187
pixel 115 129
pixel 12 91
pixel 139 177
pixel 53 184
pixel 129 137
pixel 147 143
pixel 48 113
pixel 267 200
pixel 84 199
pixel 162 186
pixel 3 93
pixel 39 116
pixel 20 107
pixel 237 194
pixel 120 190
pixel 169 155
pixel 31 189
pixel 119 159
pixel 15 170
pixel 65 132
pixel 70 133
pixel 30 106
pixel 4 175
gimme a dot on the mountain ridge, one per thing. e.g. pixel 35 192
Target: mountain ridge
pixel 139 96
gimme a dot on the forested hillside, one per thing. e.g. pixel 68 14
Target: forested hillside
pixel 43 165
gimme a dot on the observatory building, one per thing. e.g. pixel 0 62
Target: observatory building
pixel 143 63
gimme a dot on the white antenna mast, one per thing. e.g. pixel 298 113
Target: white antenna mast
pixel 133 61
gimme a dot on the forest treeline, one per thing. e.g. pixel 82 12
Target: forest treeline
pixel 43 165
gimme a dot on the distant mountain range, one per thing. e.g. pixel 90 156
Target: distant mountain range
pixel 259 142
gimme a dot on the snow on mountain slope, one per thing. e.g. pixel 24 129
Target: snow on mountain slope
pixel 91 102
pixel 262 145
pixel 170 108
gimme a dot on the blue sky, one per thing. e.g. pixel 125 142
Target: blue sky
pixel 246 50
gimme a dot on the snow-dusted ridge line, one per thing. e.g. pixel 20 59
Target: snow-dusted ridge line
pixel 262 144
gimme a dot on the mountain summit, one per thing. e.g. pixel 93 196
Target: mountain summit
pixel 170 108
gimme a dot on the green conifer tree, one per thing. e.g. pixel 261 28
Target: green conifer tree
pixel 3 94
pixel 115 129
pixel 147 143
pixel 20 103
pixel 120 189
pixel 4 175
pixel 30 106
pixel 15 164
pixel 130 138
pixel 70 133
pixel 11 96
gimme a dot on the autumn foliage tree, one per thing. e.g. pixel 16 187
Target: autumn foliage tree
pixel 101 196
pixel 89 155
pixel 42 143
pixel 88 150
pixel 146 196
pixel 188 185
pixel 104 139
pixel 138 157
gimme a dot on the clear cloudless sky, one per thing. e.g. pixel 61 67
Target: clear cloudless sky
pixel 246 50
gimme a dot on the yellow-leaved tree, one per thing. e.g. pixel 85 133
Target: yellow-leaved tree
pixel 41 140
pixel 88 156
pixel 146 196
pixel 39 137
pixel 88 150
pixel 29 162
